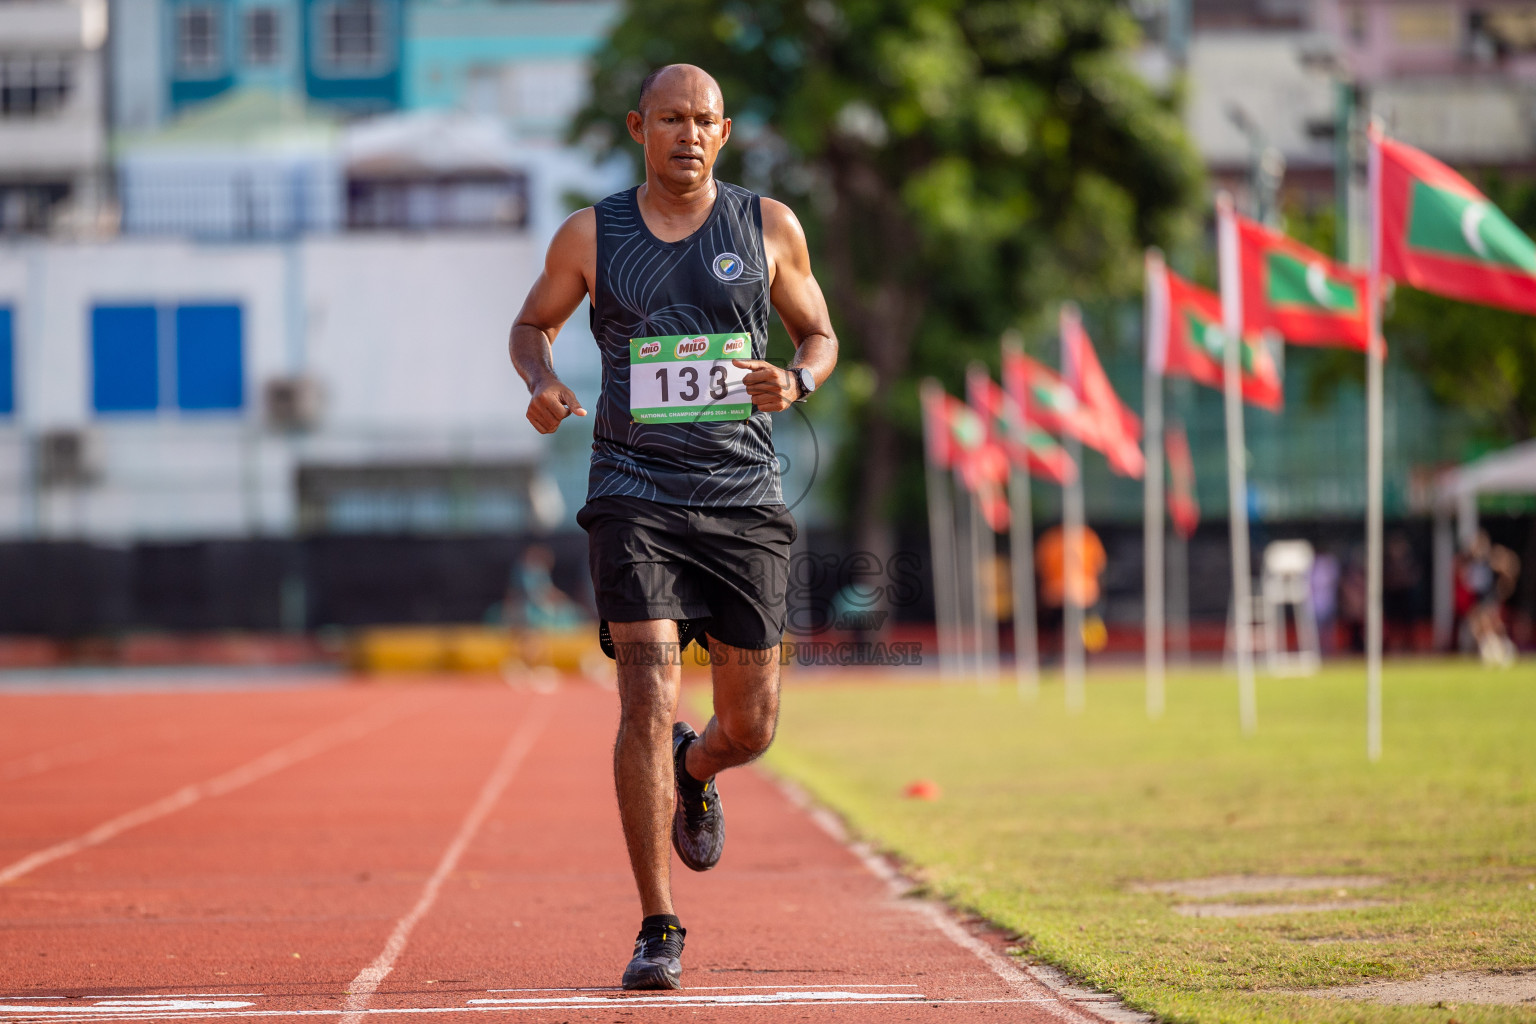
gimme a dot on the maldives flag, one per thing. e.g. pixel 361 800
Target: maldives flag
pixel 1028 446
pixel 1183 506
pixel 1043 395
pixel 1296 290
pixel 1111 427
pixel 958 439
pixel 1439 234
pixel 1187 340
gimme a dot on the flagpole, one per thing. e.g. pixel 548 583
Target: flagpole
pixel 1154 322
pixel 984 621
pixel 1072 541
pixel 978 378
pixel 1373 460
pixel 965 577
pixel 1026 640
pixel 1021 563
pixel 941 533
pixel 1237 471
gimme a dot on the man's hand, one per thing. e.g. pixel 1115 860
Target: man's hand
pixel 552 402
pixel 773 388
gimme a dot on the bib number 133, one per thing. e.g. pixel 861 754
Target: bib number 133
pixel 688 377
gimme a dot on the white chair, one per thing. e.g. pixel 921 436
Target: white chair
pixel 1287 582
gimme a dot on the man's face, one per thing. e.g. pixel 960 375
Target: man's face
pixel 682 128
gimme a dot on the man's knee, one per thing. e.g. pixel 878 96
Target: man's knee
pixel 749 735
pixel 648 701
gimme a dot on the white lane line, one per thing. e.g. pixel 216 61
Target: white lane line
pixel 1023 986
pixel 720 1000
pixel 267 764
pixel 628 1003
pixel 368 980
pixel 700 988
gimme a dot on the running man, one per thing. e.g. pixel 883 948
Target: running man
pixel 688 533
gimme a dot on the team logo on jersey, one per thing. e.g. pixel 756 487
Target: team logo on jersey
pixel 728 266
pixel 650 348
pixel 734 346
pixel 692 347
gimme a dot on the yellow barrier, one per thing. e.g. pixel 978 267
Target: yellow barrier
pixel 479 650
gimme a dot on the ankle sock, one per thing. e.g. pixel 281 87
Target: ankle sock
pixel 657 922
pixel 685 779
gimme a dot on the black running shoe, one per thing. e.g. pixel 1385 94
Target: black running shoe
pixel 698 826
pixel 658 957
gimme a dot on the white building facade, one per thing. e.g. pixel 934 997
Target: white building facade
pixel 52 114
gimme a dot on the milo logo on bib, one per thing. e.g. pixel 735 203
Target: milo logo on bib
pixel 697 382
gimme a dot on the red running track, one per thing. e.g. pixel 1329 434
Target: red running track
pixel 446 852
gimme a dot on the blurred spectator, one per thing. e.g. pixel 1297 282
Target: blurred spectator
pixel 1488 574
pixel 1325 599
pixel 1400 577
pixel 1352 601
pixel 1083 589
pixel 533 601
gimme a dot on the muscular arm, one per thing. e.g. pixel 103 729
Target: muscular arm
pixel 569 268
pixel 798 299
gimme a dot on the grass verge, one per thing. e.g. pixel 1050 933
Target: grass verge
pixel 1049 822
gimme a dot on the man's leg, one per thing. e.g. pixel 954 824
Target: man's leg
pixel 650 674
pixel 746 685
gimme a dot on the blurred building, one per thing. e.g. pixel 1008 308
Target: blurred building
pixel 1280 79
pixel 258 264
pixel 52 118
pixel 169 55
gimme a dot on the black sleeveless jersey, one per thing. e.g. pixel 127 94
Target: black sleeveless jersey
pixel 712 282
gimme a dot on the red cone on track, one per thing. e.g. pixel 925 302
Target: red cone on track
pixel 922 789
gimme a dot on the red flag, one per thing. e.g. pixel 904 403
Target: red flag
pixel 1044 396
pixel 1028 446
pixel 1183 506
pixel 1439 234
pixel 958 439
pixel 1111 428
pixel 1189 341
pixel 1296 290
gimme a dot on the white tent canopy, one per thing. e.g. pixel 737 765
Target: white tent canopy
pixel 1511 471
pixel 429 143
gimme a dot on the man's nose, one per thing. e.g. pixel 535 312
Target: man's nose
pixel 690 132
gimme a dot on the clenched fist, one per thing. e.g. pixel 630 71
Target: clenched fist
pixel 552 402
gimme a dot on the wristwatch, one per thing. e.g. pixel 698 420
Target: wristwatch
pixel 806 381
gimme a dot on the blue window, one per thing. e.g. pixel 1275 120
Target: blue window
pixel 7 364
pixel 125 358
pixel 209 373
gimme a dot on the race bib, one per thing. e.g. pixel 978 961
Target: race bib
pixel 688 377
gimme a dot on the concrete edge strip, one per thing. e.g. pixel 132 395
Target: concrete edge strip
pixel 1069 1002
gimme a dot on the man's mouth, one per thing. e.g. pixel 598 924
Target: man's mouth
pixel 688 158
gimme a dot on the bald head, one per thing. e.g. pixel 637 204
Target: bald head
pixel 685 78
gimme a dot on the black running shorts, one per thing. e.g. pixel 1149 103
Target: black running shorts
pixel 722 570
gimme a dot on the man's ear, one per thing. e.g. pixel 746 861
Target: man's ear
pixel 635 122
pixel 725 131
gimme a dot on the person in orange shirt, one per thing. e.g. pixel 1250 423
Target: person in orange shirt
pixel 1082 589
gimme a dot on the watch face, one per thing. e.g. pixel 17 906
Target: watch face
pixel 807 382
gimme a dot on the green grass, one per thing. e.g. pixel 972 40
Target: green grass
pixel 1047 820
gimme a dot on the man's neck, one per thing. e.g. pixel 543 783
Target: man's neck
pixel 677 213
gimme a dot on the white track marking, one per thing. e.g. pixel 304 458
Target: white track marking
pixel 698 988
pixel 721 1000
pixel 1025 988
pixel 367 982
pixel 267 764
pixel 628 1003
